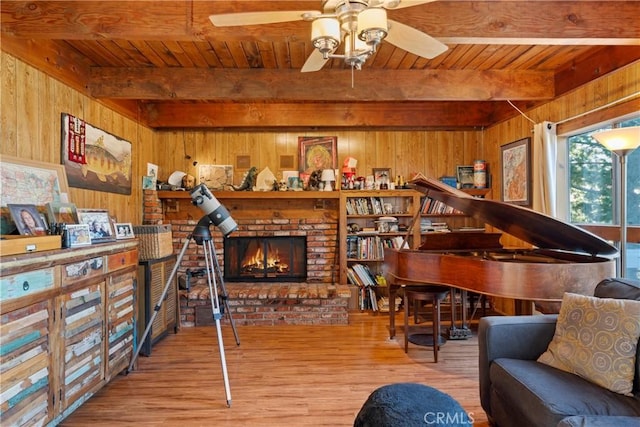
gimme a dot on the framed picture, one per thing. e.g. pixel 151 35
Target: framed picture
pixel 216 177
pixel 95 159
pixel 381 176
pixel 28 220
pixel 32 182
pixel 79 235
pixel 516 172
pixel 62 213
pixel 99 223
pixel 124 230
pixel 464 176
pixel 316 153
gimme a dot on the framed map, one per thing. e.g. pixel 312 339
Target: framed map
pixel 32 182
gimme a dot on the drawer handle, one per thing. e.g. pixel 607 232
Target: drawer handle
pixel 25 286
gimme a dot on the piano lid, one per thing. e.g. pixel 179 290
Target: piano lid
pixel 542 231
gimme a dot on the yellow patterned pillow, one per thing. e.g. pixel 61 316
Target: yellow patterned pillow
pixel 596 338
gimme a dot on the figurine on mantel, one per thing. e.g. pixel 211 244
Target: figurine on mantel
pixel 248 180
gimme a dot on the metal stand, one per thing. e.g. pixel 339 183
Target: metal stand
pixel 202 237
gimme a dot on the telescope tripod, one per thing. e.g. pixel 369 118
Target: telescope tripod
pixel 202 237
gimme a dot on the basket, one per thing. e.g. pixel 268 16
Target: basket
pixel 155 241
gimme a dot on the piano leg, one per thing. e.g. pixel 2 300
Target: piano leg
pixel 392 309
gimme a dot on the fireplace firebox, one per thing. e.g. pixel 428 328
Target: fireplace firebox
pixel 265 259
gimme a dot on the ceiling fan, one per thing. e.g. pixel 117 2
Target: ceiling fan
pixel 360 25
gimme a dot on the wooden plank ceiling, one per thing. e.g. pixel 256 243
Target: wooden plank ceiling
pixel 164 63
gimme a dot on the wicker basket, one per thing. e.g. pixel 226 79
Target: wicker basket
pixel 155 241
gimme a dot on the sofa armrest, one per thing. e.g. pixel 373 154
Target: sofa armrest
pixel 514 337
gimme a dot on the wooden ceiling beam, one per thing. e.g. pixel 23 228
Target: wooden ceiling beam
pixel 478 22
pixel 331 85
pixel 379 115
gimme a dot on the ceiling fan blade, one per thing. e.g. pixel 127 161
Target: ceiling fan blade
pixel 314 62
pixel 257 18
pixel 397 4
pixel 414 41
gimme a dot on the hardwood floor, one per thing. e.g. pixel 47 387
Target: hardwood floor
pixel 279 376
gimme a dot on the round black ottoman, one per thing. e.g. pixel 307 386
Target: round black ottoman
pixel 411 405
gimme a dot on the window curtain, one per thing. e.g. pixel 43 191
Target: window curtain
pixel 543 173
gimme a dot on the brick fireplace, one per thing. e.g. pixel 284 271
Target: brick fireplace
pixel 317 300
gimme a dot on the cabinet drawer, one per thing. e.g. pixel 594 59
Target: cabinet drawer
pixel 27 283
pixel 82 270
pixel 122 260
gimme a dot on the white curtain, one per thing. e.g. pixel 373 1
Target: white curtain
pixel 543 174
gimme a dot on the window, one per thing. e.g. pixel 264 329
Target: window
pixel 594 184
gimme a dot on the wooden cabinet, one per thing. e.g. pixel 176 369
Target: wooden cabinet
pixel 152 278
pixel 67 321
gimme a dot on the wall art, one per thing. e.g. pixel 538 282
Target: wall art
pixel 94 159
pixel 516 172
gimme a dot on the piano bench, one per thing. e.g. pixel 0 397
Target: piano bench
pixel 433 294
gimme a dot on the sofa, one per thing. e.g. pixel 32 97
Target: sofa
pixel 516 389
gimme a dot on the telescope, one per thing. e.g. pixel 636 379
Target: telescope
pixel 215 213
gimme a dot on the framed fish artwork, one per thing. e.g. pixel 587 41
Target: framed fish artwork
pixel 94 159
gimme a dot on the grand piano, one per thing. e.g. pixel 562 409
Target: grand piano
pixel 564 258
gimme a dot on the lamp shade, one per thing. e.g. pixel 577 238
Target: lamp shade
pixel 371 20
pixel 326 29
pixel 621 141
pixel 328 175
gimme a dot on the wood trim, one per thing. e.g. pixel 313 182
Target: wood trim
pixel 612 232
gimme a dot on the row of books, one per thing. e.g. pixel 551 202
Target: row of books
pixel 371 247
pixel 367 206
pixel 361 275
pixel 436 207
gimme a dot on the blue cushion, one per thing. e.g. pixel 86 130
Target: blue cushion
pixel 409 405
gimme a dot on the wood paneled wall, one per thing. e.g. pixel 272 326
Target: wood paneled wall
pixel 432 153
pixel 30 128
pixel 30 120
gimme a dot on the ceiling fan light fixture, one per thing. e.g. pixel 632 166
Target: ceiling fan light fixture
pixel 372 25
pixel 325 34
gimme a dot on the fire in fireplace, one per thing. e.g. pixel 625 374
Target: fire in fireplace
pixel 265 259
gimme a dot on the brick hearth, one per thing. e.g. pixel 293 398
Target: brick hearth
pixel 271 304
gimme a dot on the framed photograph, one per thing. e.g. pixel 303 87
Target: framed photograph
pixel 464 176
pixel 516 172
pixel 28 220
pixel 32 182
pixel 62 213
pixel 124 230
pixel 99 223
pixel 316 153
pixel 381 175
pixel 79 235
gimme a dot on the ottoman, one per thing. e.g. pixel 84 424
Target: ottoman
pixel 411 405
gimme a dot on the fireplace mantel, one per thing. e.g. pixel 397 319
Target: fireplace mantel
pixel 169 195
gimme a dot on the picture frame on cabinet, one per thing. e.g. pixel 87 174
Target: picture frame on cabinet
pixel 99 222
pixel 28 220
pixel 79 235
pixel 516 172
pixel 124 230
pixel 62 213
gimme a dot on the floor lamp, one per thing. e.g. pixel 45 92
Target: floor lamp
pixel 621 141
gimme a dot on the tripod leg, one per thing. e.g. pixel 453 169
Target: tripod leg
pixel 224 294
pixel 209 256
pixel 158 305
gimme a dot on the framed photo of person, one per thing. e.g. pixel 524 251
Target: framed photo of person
pixel 79 235
pixel 99 223
pixel 62 213
pixel 28 220
pixel 124 230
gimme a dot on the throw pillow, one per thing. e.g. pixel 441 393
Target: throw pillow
pixel 596 338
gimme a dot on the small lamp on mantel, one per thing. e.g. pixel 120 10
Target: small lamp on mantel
pixel 328 177
pixel 621 141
